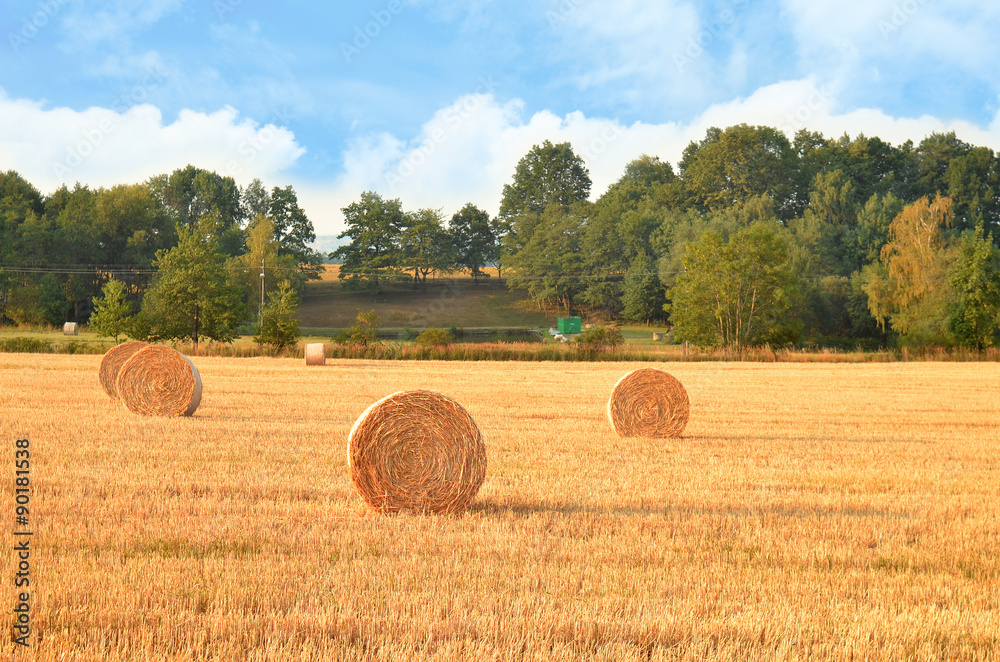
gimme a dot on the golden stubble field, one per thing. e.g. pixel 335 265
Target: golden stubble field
pixel 811 512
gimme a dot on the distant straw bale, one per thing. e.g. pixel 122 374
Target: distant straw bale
pixel 159 381
pixel 315 354
pixel 71 329
pixel 649 403
pixel 417 451
pixel 112 364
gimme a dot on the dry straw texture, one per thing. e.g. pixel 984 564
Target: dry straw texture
pixel 796 522
pixel 417 451
pixel 70 329
pixel 649 403
pixel 159 381
pixel 315 354
pixel 112 364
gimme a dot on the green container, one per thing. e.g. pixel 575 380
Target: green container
pixel 569 325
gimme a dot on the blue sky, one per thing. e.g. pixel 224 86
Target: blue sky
pixel 434 101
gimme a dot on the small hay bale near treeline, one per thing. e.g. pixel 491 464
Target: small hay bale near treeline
pixel 71 329
pixel 112 364
pixel 416 451
pixel 649 402
pixel 159 381
pixel 315 354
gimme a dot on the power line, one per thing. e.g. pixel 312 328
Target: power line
pixel 579 276
pixel 114 270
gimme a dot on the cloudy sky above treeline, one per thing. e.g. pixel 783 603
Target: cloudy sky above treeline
pixel 434 101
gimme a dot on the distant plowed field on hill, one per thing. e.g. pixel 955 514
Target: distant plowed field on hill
pixel 440 302
pixel 810 511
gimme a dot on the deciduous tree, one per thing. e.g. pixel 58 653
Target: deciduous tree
pixel 279 326
pixel 52 300
pixel 191 296
pixel 549 265
pixel 743 161
pixel 426 245
pixel 189 193
pixel 375 227
pixel 974 314
pixel 909 287
pixel 364 331
pixel 294 231
pixel 112 316
pixel 642 293
pixel 473 238
pixel 547 175
pixel 737 294
pixel 262 254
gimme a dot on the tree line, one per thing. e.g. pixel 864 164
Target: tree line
pixel 388 244
pixel 755 239
pixel 178 256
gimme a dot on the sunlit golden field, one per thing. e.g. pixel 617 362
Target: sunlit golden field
pixel 812 511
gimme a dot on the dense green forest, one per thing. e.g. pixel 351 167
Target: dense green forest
pixel 182 251
pixel 754 239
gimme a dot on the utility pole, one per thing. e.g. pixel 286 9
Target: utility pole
pixel 261 289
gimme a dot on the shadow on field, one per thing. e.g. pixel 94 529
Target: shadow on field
pixel 527 510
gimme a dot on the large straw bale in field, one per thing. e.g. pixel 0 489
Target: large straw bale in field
pixel 112 364
pixel 159 381
pixel 649 402
pixel 417 451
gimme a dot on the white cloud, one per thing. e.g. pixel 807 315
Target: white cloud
pixel 627 40
pixel 469 150
pixel 86 26
pixel 465 152
pixel 823 25
pixel 962 32
pixel 129 143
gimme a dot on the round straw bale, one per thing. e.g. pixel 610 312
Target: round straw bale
pixel 417 451
pixel 648 403
pixel 315 354
pixel 112 364
pixel 70 329
pixel 159 381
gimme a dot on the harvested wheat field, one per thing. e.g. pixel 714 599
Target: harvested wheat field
pixel 809 512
